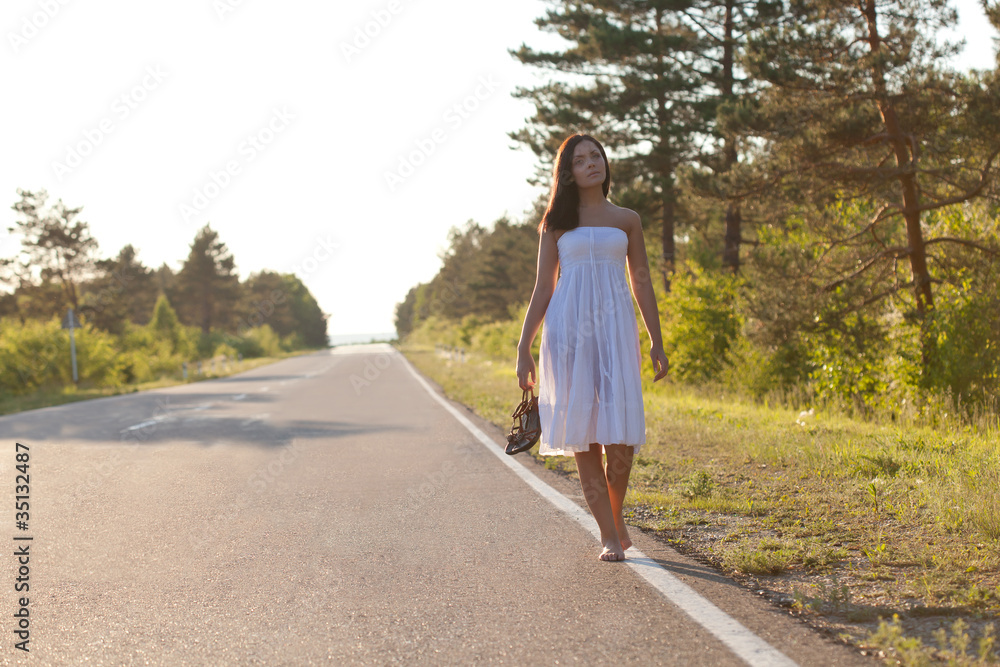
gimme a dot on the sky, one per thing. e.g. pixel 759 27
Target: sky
pixel 337 141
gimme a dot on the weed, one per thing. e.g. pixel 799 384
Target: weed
pixel 837 595
pixel 835 598
pixel 953 647
pixel 697 485
pixel 759 561
pixel 889 637
pixel 877 555
pixel 986 515
pixel 821 557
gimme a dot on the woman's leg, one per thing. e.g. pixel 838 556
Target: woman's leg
pixel 617 470
pixel 590 466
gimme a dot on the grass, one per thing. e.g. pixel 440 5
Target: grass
pixel 48 397
pixel 904 514
pixel 952 645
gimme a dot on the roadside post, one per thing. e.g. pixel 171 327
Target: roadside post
pixel 70 322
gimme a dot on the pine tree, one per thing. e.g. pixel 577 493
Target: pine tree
pixel 56 248
pixel 124 290
pixel 725 27
pixel 208 287
pixel 861 114
pixel 647 102
pixel 164 323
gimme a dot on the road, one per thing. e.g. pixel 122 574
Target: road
pixel 333 508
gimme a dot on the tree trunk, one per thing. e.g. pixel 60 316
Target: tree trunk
pixel 905 155
pixel 731 250
pixel 206 314
pixel 665 171
pixel 667 265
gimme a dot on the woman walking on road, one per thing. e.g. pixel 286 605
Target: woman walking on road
pixel 590 394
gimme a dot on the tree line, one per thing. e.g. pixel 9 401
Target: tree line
pixel 820 178
pixel 196 310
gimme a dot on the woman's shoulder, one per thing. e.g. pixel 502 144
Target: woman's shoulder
pixel 626 219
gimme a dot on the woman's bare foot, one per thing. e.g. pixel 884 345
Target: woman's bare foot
pixel 623 534
pixel 612 552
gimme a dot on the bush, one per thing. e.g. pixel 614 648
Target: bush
pixel 498 340
pixel 225 350
pixel 757 371
pixel 145 356
pixel 468 327
pixel 702 324
pixel 850 363
pixel 435 331
pixel 292 341
pixel 965 357
pixel 32 355
pixel 257 342
pixel 36 355
pixel 98 361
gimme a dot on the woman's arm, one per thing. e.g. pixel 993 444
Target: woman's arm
pixel 642 288
pixel 546 272
pixel 545 285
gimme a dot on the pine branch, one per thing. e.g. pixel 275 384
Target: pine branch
pixel 965 242
pixel 984 179
pixel 896 252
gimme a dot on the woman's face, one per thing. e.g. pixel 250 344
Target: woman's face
pixel 588 165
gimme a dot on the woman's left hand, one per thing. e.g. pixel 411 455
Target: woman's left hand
pixel 660 362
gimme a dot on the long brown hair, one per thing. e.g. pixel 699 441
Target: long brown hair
pixel 563 211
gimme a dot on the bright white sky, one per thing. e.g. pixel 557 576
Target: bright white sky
pixel 162 96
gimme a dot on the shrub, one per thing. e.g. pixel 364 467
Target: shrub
pixel 99 362
pixel 499 339
pixel 849 361
pixel 32 355
pixel 257 342
pixel 965 357
pixel 702 324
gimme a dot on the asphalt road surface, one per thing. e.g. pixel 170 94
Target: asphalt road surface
pixel 335 509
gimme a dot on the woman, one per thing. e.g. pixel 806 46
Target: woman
pixel 591 390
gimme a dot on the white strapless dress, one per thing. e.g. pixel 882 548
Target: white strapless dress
pixel 589 384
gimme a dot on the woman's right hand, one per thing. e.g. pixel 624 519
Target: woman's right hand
pixel 525 369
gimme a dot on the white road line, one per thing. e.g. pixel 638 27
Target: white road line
pixel 740 640
pixel 133 427
pixel 239 397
